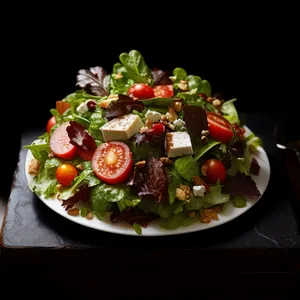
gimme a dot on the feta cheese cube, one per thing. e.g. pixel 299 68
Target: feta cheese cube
pixel 121 128
pixel 82 108
pixel 178 144
pixel 153 116
pixel 199 190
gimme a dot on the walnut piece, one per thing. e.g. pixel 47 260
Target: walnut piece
pixel 180 194
pixel 171 115
pixel 34 167
pixel 208 214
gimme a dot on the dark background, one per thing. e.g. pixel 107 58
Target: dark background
pixel 247 54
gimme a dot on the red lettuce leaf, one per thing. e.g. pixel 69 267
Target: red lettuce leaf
pixel 195 120
pixel 151 181
pixel 95 81
pixel 80 137
pixel 254 167
pixel 241 185
pixel 133 215
pixel 81 195
pixel 124 105
pixel 161 77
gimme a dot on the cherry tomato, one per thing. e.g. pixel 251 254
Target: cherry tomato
pixel 65 174
pixel 156 129
pixel 219 127
pixel 215 170
pixel 62 106
pixel 141 91
pixel 51 122
pixel 60 142
pixel 163 91
pixel 112 162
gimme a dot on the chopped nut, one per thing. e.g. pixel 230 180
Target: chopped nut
pixel 205 132
pixel 148 123
pixel 163 117
pixel 186 189
pixel 144 129
pixel 209 99
pixel 171 115
pixel 141 163
pixel 80 167
pixel 89 216
pixel 118 76
pixel 110 98
pixel 171 126
pixel 204 169
pixel 191 214
pixel 208 214
pixel 104 103
pixel 204 219
pixel 216 102
pixel 204 138
pixel 51 154
pixel 59 187
pixel 34 167
pixel 183 81
pixel 166 160
pixel 218 208
pixel 199 181
pixel 180 194
pixel 183 86
pixel 73 211
pixel 178 106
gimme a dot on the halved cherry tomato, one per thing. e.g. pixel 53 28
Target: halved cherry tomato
pixel 163 91
pixel 141 91
pixel 65 174
pixel 51 122
pixel 112 162
pixel 156 129
pixel 215 170
pixel 62 106
pixel 60 142
pixel 219 127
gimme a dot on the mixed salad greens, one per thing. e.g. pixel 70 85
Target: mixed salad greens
pixel 142 144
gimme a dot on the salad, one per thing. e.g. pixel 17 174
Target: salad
pixel 144 144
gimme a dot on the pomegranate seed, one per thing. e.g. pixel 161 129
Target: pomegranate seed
pixel 91 105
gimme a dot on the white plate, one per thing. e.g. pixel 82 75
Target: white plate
pixel 153 228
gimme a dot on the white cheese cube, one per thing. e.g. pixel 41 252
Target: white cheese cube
pixel 178 144
pixel 82 108
pixel 199 190
pixel 153 116
pixel 121 128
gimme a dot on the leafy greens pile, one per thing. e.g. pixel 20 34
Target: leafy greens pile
pixel 160 187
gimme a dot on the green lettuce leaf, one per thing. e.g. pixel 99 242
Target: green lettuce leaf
pixel 39 151
pixel 229 111
pixel 44 184
pixel 136 67
pixel 239 201
pixel 215 196
pixel 125 203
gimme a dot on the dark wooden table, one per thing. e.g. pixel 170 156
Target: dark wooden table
pixel 258 250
